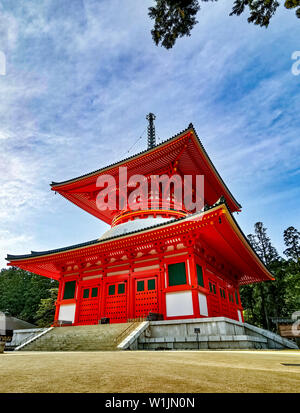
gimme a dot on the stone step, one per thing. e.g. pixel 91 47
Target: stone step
pixel 81 338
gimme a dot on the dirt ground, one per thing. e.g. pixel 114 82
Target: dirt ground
pixel 150 372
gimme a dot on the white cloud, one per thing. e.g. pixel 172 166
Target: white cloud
pixel 12 240
pixel 81 80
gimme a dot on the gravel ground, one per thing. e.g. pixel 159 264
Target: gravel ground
pixel 151 372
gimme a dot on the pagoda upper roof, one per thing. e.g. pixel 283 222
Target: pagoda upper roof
pixel 185 148
pixel 215 227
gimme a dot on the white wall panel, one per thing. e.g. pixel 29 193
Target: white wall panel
pixel 67 312
pixel 179 304
pixel 240 316
pixel 203 304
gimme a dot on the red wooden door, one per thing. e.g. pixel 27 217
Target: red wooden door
pixel 232 304
pixel 88 312
pixel 213 298
pixel 116 302
pixel 146 297
pixel 224 303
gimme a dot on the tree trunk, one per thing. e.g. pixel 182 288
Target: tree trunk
pixel 266 323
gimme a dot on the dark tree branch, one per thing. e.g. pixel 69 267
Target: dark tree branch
pixel 176 18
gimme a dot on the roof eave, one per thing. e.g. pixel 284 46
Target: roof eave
pixel 13 259
pixel 59 186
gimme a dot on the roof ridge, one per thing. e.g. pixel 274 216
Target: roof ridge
pixel 190 126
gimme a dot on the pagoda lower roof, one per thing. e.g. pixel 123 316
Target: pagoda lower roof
pixel 185 149
pixel 215 228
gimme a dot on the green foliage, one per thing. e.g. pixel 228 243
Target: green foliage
pixel 21 293
pixel 261 11
pixel 292 241
pixel 279 298
pixel 176 18
pixel 46 310
pixel 173 19
pixel 292 4
pixel 262 245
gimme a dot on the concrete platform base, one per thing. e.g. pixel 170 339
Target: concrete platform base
pixel 213 333
pixel 195 334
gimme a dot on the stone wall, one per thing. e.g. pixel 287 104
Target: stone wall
pixel 214 333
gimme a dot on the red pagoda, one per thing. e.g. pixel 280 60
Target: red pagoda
pixel 177 262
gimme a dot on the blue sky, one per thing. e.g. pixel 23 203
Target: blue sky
pixel 81 76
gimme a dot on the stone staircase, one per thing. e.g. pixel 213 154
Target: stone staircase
pixel 102 337
pixel 213 333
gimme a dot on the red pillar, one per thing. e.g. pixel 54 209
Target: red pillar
pixel 194 283
pixel 103 292
pixel 239 306
pixel 162 287
pixel 130 293
pixel 57 303
pixel 77 297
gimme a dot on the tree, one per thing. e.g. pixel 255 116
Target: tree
pixel 22 291
pixel 262 244
pixel 263 247
pixel 292 240
pixel 261 11
pixel 46 310
pixel 176 18
pixel 278 298
pixel 173 19
pixel 292 289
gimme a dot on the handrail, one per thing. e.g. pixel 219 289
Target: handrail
pixel 125 332
pixel 33 338
pixel 29 337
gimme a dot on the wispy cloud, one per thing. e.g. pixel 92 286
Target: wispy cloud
pixel 82 75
